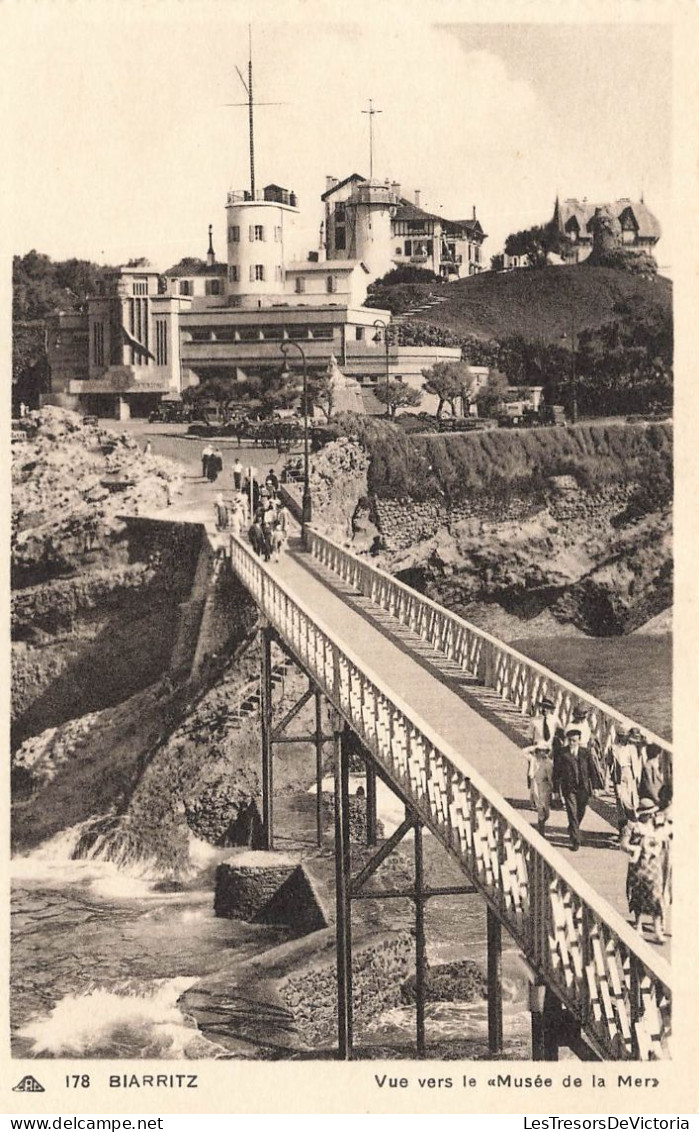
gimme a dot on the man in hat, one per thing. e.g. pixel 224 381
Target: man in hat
pixel 544 725
pixel 580 722
pixel 571 775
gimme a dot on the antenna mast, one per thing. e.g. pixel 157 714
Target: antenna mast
pixel 250 105
pixel 371 113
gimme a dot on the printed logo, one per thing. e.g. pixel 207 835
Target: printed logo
pixel 29 1084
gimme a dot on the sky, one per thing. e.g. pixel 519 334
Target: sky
pixel 122 143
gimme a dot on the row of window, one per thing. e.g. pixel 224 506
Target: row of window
pixel 160 342
pixel 262 334
pixel 258 273
pixel 330 284
pixel 138 327
pixel 98 343
pixel 211 287
pixel 256 232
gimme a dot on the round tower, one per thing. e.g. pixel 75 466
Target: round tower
pixel 258 232
pixel 370 206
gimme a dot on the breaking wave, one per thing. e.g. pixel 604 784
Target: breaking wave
pixel 121 1022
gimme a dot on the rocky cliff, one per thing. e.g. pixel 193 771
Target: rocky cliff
pixel 94 598
pixel 526 548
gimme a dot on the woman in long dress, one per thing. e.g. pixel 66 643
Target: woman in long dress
pixel 648 844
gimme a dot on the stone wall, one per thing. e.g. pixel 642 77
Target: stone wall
pixel 243 890
pixel 278 892
pixel 379 969
pixel 406 522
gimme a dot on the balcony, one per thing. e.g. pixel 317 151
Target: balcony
pixel 270 195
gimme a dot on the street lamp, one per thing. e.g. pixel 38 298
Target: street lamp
pixel 573 375
pixel 377 338
pixel 306 509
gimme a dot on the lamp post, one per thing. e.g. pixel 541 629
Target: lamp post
pixel 377 338
pixel 306 508
pixel 573 375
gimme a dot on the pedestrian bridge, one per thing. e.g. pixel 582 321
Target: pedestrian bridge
pixel 439 707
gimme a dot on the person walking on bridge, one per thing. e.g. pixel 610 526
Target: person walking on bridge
pixel 648 844
pixel 572 776
pixel 542 733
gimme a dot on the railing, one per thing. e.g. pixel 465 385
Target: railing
pixel 512 675
pixel 602 969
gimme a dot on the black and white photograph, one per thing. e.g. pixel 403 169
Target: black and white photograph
pixel 341 552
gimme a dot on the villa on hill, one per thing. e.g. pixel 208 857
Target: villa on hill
pixel 572 218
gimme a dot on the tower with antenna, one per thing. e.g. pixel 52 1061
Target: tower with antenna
pixel 260 222
pixel 358 214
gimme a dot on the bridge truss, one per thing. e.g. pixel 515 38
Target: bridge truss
pixel 597 985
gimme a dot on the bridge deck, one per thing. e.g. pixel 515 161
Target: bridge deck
pixel 460 715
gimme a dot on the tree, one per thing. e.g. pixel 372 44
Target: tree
pixel 497 262
pixel 397 395
pixel 224 392
pixel 406 273
pixel 448 381
pixel 535 243
pixel 491 396
pixel 320 393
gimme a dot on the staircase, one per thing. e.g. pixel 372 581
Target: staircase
pixel 250 695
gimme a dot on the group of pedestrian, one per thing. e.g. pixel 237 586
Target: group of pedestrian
pixel 211 463
pixel 269 530
pixel 567 762
pixel 563 761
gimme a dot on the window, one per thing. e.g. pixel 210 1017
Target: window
pixel 140 288
pixel 257 232
pixel 257 273
pixel 300 284
pixel 233 273
pixel 340 239
pixel 233 233
pixel 185 286
pixel 359 333
pixel 213 286
pixel 331 284
pixel 278 233
pixel 98 343
pixel 278 275
pixel 161 342
pixel 399 251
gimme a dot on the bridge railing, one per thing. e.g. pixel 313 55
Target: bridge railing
pixel 512 675
pixel 597 964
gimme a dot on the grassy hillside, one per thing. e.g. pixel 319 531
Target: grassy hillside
pixel 539 304
pixel 501 461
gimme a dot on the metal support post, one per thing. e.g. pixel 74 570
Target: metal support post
pixel 419 943
pixel 343 900
pixel 537 991
pixel 494 983
pixel 370 803
pixel 266 721
pixel 548 1022
pixel 319 738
